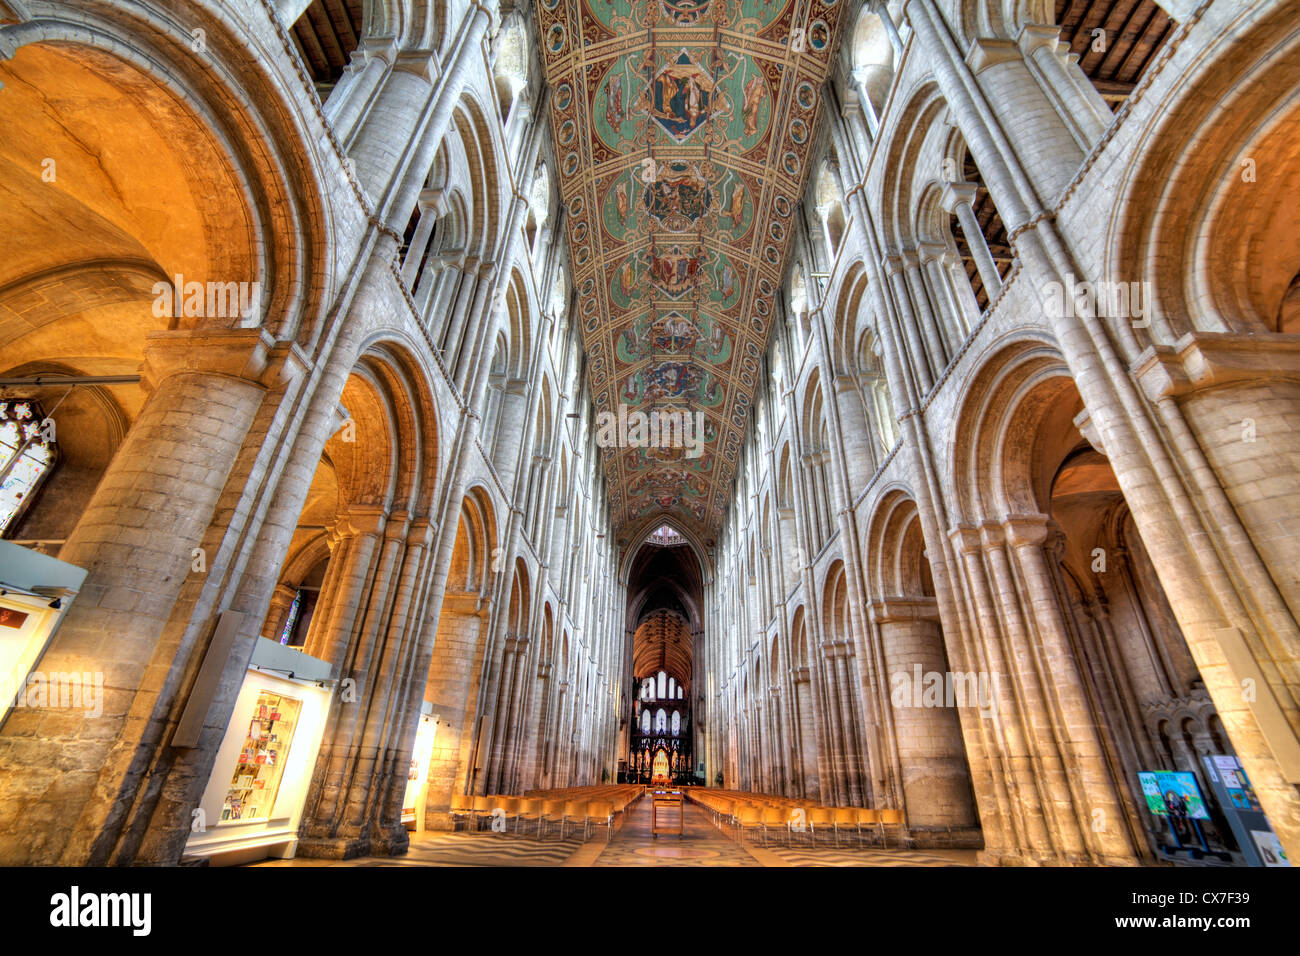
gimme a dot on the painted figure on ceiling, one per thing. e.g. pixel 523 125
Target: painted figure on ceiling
pixel 755 93
pixel 627 278
pixel 737 208
pixel 614 102
pixel 621 201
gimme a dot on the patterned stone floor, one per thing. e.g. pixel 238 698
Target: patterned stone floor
pixel 851 856
pixel 463 849
pixel 701 844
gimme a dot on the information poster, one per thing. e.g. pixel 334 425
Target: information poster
pixel 1175 795
pixel 1258 843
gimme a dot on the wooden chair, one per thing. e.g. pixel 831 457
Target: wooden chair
pixel 796 821
pixel 573 810
pixel 482 807
pixel 868 820
pixel 529 811
pixel 893 820
pixel 777 820
pixel 600 813
pixel 749 818
pixel 820 818
pixel 462 808
pixel 552 812
pixel 509 806
pixel 846 818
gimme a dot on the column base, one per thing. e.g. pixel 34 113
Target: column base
pixel 393 843
pixel 1008 857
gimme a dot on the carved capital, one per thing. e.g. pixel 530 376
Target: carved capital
pixel 1208 359
pixel 237 353
pixel 958 194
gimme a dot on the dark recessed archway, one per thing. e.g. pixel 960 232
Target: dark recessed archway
pixel 663 623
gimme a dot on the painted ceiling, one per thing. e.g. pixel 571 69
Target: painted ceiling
pixel 682 130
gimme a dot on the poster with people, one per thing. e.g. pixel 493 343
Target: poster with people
pixel 1174 795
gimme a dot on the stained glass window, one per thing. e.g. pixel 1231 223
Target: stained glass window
pixel 291 618
pixel 27 455
pixel 664 536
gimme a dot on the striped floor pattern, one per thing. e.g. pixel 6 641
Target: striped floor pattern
pixel 699 844
pixel 830 856
pixel 463 849
pixel 632 844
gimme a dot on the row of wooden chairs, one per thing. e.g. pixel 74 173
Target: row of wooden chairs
pixel 621 795
pixel 541 813
pixel 765 815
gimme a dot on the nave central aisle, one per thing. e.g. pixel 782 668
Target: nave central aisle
pixel 701 844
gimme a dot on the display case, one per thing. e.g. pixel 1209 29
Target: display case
pixel 253 802
pixel 261 762
pixel 36 592
pixel 417 778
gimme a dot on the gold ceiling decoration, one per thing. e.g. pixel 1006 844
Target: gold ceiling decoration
pixel 682 130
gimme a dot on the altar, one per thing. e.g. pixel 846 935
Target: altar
pixel 660 769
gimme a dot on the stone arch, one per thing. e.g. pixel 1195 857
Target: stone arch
pixel 805 718
pixel 872 59
pixel 897 565
pixel 1049 510
pixel 231 219
pixel 934 773
pixel 511 68
pixel 830 207
pixel 378 471
pixel 976 470
pixel 639 532
pixel 917 132
pixel 1238 116
pixel 485 163
pixel 475 555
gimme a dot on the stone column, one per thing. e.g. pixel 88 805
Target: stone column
pixel 1011 806
pixel 337 817
pixel 926 303
pixel 893 266
pixel 951 319
pixel 959 287
pixel 362 76
pixel 1077 101
pixel 881 9
pixel 453 672
pixel 959 198
pixel 452 327
pixel 465 359
pixel 150 535
pixel 431 206
pixel 931 753
pixel 1099 815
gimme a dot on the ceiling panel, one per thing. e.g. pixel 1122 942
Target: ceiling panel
pixel 683 132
